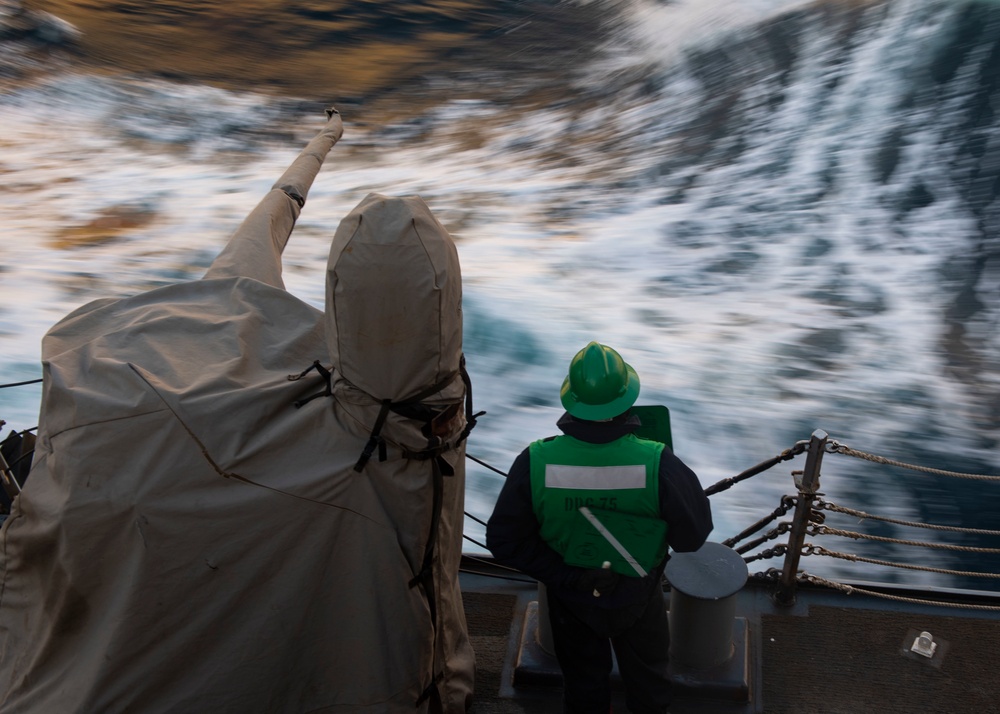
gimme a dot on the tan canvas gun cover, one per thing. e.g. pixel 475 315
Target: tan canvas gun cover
pixel 190 540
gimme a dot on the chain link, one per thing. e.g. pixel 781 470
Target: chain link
pixel 781 528
pixel 774 552
pixel 771 575
pixel 787 504
pixel 760 468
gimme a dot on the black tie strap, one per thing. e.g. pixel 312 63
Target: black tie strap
pixel 470 417
pixel 400 407
pixel 375 438
pixel 411 408
pixel 325 373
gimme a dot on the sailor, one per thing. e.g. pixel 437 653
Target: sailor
pixel 642 497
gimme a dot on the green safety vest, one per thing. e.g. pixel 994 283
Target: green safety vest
pixel 618 482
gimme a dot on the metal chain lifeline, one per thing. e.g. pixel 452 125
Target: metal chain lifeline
pixel 821 530
pixel 811 549
pixel 787 504
pixel 774 552
pixel 827 505
pixel 834 447
pixel 849 589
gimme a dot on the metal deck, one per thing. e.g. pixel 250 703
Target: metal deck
pixel 828 653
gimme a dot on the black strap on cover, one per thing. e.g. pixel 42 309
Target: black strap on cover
pixel 400 407
pixel 375 438
pixel 432 691
pixel 326 374
pixel 470 417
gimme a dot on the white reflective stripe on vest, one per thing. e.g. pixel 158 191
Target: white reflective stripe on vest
pixel 595 478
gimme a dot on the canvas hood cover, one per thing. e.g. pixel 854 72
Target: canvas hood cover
pixel 216 523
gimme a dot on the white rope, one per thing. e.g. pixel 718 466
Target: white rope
pixel 820 530
pixel 861 514
pixel 819 550
pixel 837 448
pixel 815 579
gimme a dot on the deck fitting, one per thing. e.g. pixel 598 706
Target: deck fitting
pixel 729 681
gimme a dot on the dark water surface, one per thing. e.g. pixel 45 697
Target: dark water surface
pixel 332 51
pixel 786 214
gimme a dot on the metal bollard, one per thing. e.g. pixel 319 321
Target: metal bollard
pixel 703 605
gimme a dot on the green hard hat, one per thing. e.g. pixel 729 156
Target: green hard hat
pixel 600 384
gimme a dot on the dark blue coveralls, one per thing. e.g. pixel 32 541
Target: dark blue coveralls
pixel 631 618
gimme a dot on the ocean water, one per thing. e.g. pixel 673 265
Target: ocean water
pixel 783 214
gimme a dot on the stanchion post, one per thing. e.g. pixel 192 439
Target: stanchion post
pixel 807 483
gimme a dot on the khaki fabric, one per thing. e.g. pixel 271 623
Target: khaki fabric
pixel 189 540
